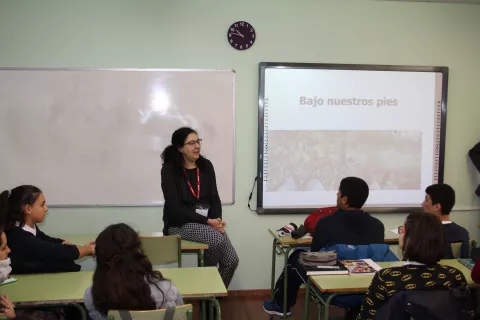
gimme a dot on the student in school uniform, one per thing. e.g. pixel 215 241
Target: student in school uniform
pixel 6 306
pixel 422 241
pixel 192 204
pixel 348 225
pixel 32 250
pixel 439 201
pixel 124 278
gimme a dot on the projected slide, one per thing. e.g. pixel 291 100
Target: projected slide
pixel 321 125
pixel 388 160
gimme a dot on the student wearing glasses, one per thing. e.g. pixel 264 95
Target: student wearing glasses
pixel 192 204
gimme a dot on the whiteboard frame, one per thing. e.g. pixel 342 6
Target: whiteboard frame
pixel 147 70
pixel 263 66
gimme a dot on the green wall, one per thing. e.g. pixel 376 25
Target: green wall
pixel 192 34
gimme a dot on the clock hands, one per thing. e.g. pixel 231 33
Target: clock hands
pixel 238 33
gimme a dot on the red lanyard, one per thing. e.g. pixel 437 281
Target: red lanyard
pixel 190 185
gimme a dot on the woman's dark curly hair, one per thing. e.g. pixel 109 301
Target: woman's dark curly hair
pixel 123 273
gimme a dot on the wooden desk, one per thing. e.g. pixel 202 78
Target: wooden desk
pixel 283 246
pixel 68 288
pixel 358 284
pixel 187 246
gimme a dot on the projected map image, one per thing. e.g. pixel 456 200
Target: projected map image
pixel 309 160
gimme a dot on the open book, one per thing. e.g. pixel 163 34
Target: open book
pixel 363 266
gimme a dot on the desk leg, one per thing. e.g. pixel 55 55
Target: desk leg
pixel 200 263
pixel 307 300
pixel 80 309
pixel 200 258
pixel 204 310
pixel 210 306
pixel 285 281
pixel 217 307
pixel 272 280
pixel 327 306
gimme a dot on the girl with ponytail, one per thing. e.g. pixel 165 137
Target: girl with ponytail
pixel 32 250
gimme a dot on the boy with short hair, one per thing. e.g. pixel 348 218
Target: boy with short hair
pixel 439 200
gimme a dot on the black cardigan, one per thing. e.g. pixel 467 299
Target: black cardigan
pixel 40 253
pixel 180 203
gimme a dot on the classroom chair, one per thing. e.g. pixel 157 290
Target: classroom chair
pixel 163 249
pixel 184 312
pixel 456 248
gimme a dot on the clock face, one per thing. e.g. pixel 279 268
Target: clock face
pixel 241 35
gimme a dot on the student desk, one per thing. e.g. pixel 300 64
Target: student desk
pixel 68 288
pixel 187 246
pixel 283 246
pixel 357 284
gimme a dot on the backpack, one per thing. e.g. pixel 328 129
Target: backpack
pixel 449 304
pixel 311 221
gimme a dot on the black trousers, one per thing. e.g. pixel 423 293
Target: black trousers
pixel 296 276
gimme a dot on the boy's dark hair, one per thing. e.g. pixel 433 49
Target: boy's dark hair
pixel 356 190
pixel 424 239
pixel 442 194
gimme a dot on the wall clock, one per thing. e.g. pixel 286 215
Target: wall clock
pixel 241 35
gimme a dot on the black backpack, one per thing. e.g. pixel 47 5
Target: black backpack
pixel 474 155
pixel 448 304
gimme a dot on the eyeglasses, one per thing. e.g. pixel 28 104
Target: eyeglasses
pixel 401 230
pixel 193 142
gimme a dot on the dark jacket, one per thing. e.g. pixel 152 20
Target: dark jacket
pixel 389 282
pixel 354 227
pixel 180 203
pixel 40 253
pixel 452 304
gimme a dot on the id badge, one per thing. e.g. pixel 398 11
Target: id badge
pixel 201 209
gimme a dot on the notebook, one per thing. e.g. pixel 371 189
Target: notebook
pixel 9 280
pixel 337 268
pixel 469 263
pixel 363 266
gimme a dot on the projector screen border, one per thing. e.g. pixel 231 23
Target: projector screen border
pixel 262 118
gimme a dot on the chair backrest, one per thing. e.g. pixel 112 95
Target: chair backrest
pixel 184 312
pixel 451 304
pixel 163 249
pixel 456 248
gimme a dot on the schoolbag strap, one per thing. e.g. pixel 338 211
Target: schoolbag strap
pixel 125 315
pixel 169 313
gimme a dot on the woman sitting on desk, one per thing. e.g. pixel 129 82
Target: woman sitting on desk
pixel 423 243
pixel 32 250
pixel 192 204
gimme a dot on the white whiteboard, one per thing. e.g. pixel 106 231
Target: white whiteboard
pixel 321 123
pixel 94 137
